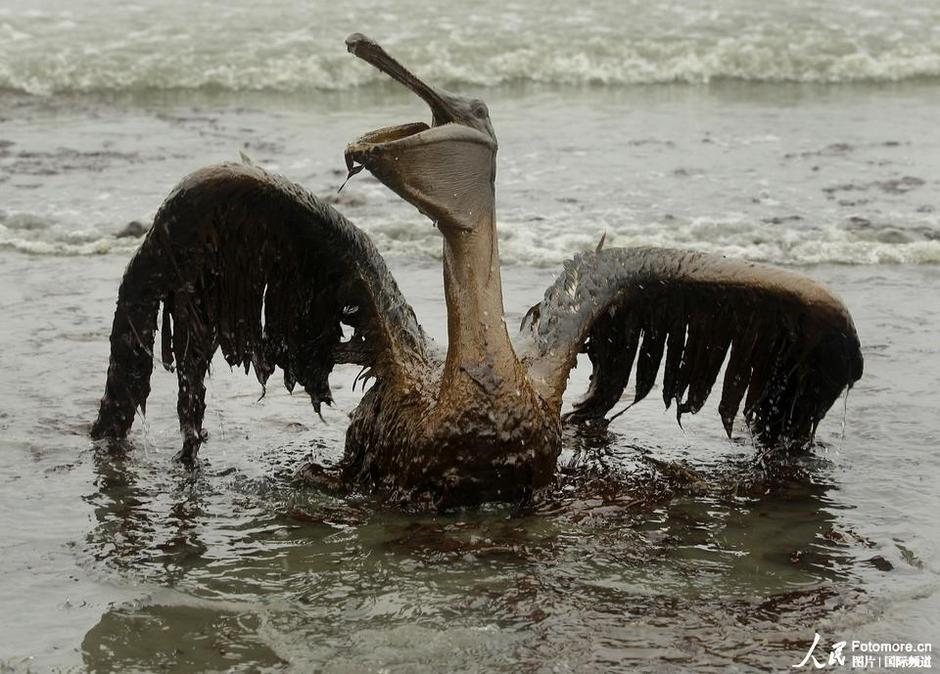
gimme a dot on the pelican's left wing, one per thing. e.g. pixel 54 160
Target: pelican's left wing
pixel 793 346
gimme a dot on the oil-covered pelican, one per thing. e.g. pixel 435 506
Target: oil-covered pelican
pixel 253 264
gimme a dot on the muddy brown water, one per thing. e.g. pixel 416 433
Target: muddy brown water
pixel 124 561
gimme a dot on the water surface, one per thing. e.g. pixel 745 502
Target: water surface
pixel 660 548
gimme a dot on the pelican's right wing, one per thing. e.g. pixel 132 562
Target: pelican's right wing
pixel 793 346
pixel 253 264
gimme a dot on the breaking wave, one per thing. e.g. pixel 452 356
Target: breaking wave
pixel 291 73
pixel 547 243
pixel 296 47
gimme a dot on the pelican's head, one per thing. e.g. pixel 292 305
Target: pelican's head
pixel 446 170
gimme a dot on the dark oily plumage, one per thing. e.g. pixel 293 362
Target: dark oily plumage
pixel 793 346
pixel 252 264
pixel 228 241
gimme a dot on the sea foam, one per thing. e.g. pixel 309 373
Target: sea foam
pixel 292 47
pixel 550 243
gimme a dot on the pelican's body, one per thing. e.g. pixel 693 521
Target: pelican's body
pixel 481 422
pixel 419 440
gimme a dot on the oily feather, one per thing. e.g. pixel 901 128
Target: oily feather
pixel 792 344
pixel 254 265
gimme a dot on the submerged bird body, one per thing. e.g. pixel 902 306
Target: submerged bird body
pixel 457 449
pixel 254 265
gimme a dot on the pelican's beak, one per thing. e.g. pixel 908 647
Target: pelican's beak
pixel 443 110
pixel 437 168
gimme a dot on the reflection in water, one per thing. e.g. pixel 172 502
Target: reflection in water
pixel 178 637
pixel 629 557
pixel 140 528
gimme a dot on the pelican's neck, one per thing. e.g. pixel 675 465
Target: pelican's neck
pixel 479 353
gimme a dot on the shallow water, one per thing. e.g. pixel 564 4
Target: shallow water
pixel 783 173
pixel 127 562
